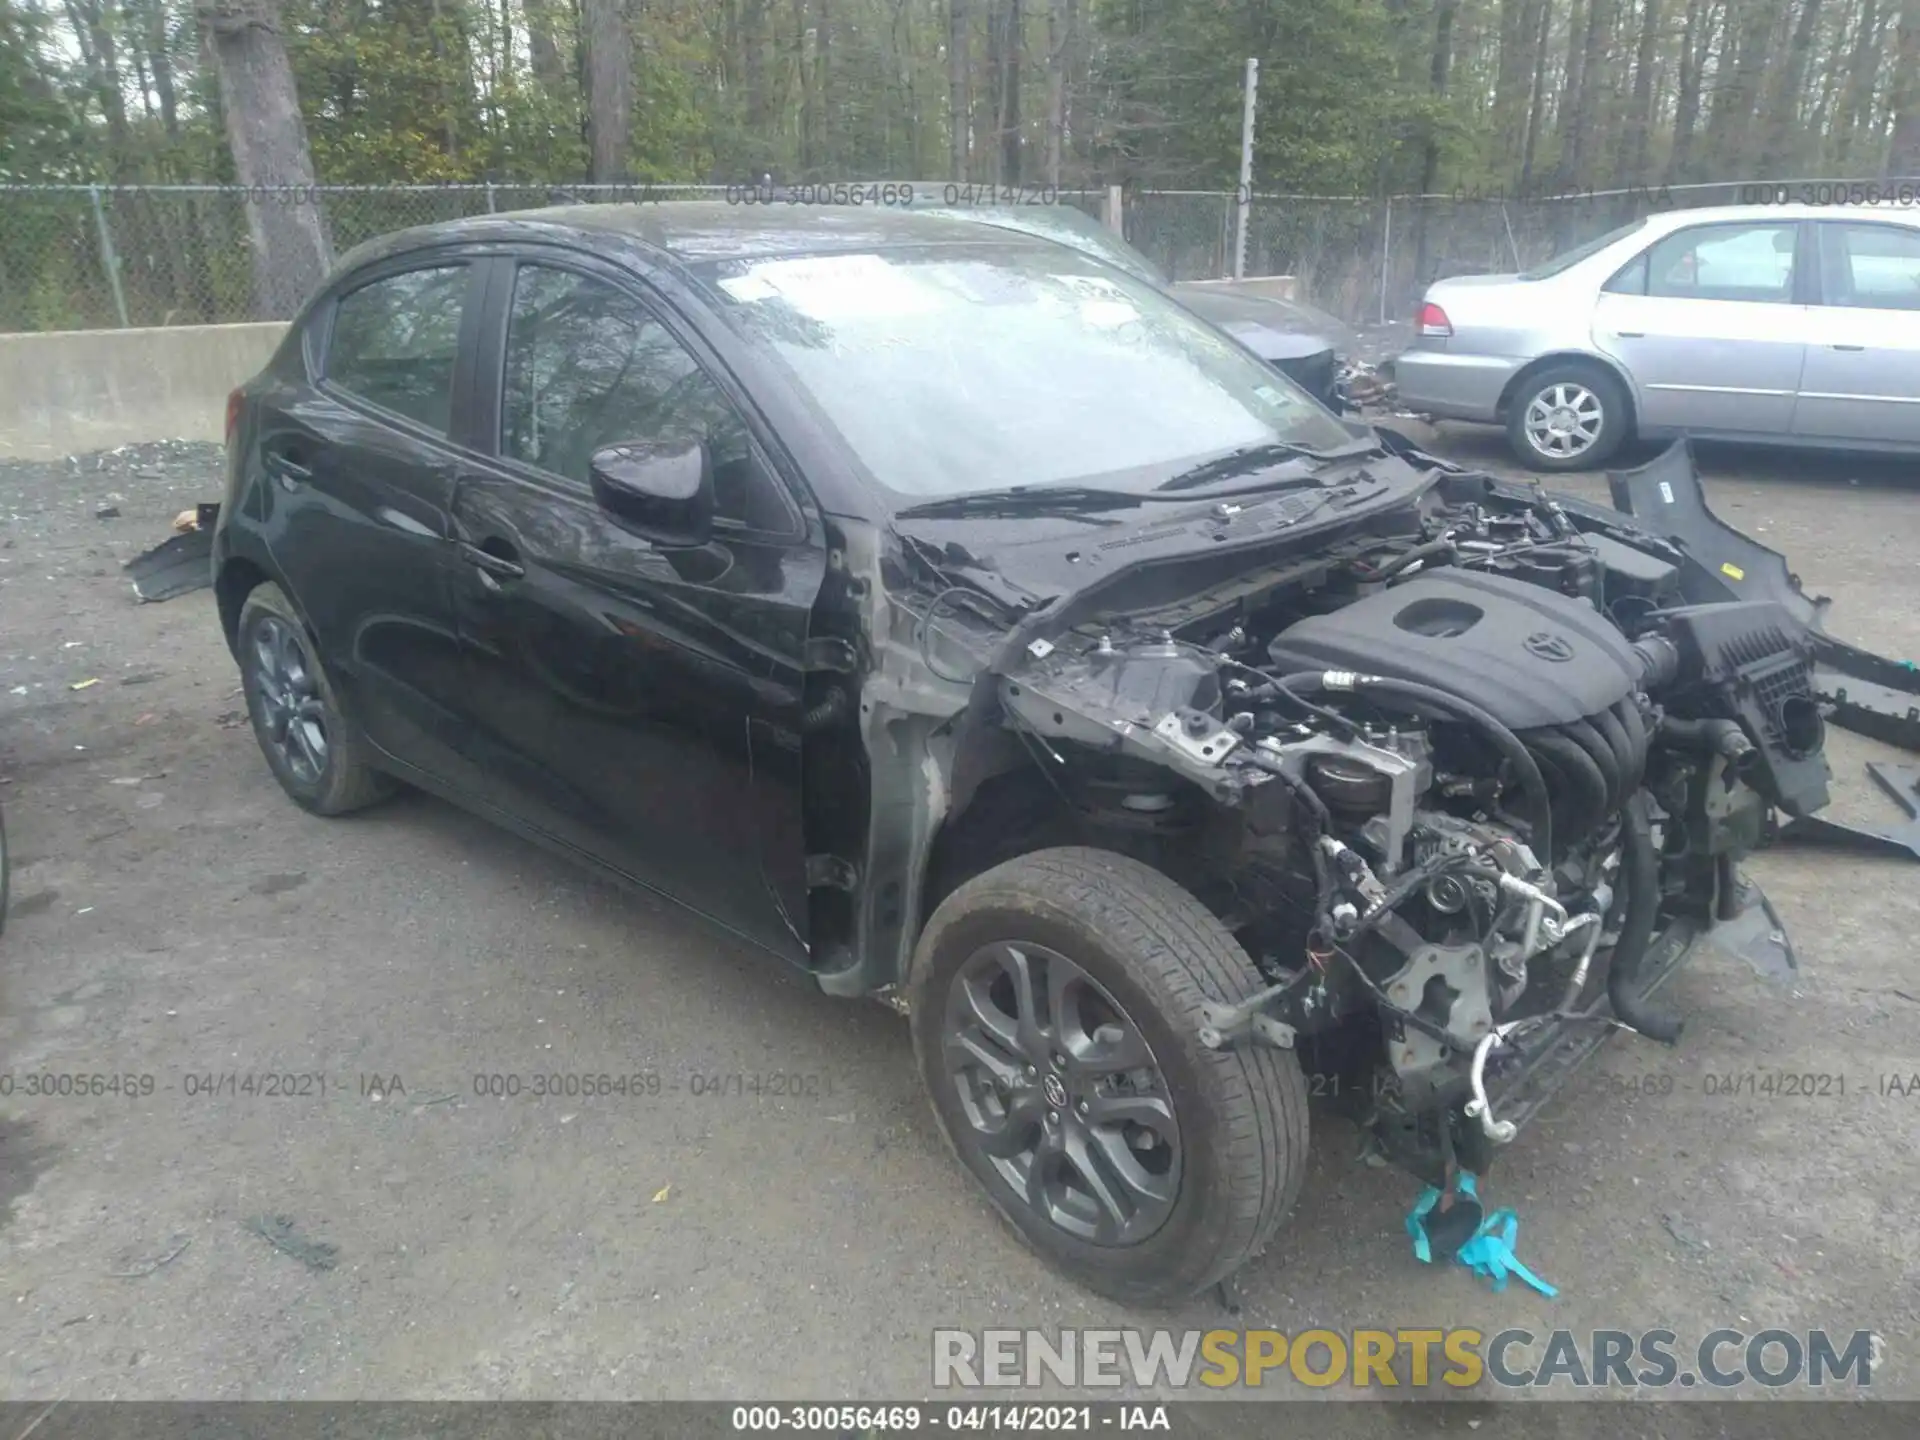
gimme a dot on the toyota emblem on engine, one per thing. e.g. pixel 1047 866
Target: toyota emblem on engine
pixel 1549 646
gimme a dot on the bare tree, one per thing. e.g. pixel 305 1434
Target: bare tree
pixel 1640 116
pixel 606 53
pixel 1695 36
pixel 1059 36
pixel 549 68
pixel 1903 155
pixel 1011 51
pixel 1787 90
pixel 959 58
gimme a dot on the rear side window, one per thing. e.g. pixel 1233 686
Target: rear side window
pixel 1871 267
pixel 1725 262
pixel 394 343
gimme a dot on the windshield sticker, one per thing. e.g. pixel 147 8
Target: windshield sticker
pixel 1269 394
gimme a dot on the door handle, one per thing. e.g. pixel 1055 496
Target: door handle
pixel 1630 335
pixel 496 564
pixel 1849 347
pixel 284 468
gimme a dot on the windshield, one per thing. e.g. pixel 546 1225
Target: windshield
pixel 1567 259
pixel 953 369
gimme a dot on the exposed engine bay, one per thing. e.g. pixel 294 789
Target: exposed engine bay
pixel 1448 787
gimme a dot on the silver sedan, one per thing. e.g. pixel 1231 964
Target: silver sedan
pixel 1783 324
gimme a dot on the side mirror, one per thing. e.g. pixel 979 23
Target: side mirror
pixel 661 491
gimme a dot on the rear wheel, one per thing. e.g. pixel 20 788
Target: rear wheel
pixel 1056 1009
pixel 1569 416
pixel 314 752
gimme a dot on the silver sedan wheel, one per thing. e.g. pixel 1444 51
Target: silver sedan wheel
pixel 1564 420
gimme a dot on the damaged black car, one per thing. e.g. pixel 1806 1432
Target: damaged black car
pixel 967 623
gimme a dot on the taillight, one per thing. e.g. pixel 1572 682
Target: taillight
pixel 235 400
pixel 1432 321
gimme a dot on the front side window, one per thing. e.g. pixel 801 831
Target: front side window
pixel 588 367
pixel 951 368
pixel 1874 267
pixel 395 340
pixel 1752 262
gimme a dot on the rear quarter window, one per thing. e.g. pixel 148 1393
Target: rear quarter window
pixel 395 340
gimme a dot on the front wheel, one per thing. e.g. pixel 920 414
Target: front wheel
pixel 1055 1006
pixel 1568 417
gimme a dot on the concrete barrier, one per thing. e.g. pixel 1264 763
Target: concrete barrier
pixel 73 390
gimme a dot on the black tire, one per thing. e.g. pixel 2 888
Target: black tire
pixel 1572 378
pixel 1156 951
pixel 344 777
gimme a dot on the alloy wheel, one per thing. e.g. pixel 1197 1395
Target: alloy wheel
pixel 1061 1094
pixel 293 714
pixel 1564 420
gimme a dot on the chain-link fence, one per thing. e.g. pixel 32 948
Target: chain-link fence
pixel 93 257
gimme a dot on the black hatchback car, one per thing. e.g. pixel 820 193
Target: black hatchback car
pixel 966 622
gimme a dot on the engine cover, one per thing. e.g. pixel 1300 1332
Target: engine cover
pixel 1531 657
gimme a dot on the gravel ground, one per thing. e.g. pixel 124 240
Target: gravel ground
pixel 175 917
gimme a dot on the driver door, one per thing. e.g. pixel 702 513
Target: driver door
pixel 635 701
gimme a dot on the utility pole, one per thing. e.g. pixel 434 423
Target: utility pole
pixel 1245 196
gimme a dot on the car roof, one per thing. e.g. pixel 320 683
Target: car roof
pixel 1716 214
pixel 695 231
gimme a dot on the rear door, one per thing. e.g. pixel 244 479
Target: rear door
pixel 359 469
pixel 1710 322
pixel 1862 380
pixel 640 702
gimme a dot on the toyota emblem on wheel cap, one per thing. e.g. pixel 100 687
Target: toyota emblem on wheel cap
pixel 1549 646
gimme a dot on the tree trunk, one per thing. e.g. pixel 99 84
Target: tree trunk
pixel 1640 118
pixel 1059 35
pixel 549 69
pixel 986 114
pixel 1903 154
pixel 1012 51
pixel 958 68
pixel 269 144
pixel 607 56
pixel 823 85
pixel 1856 91
pixel 160 55
pixel 1694 38
pixel 1437 72
pixel 805 74
pixel 1570 95
pixel 1536 96
pixel 753 63
pixel 1737 87
pixel 1789 80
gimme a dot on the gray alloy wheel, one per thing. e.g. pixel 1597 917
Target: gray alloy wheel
pixel 309 742
pixel 1061 1093
pixel 1056 1002
pixel 293 714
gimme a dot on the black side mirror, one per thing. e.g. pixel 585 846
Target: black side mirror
pixel 662 491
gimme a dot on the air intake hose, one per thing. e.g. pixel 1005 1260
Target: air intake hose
pixel 1642 875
